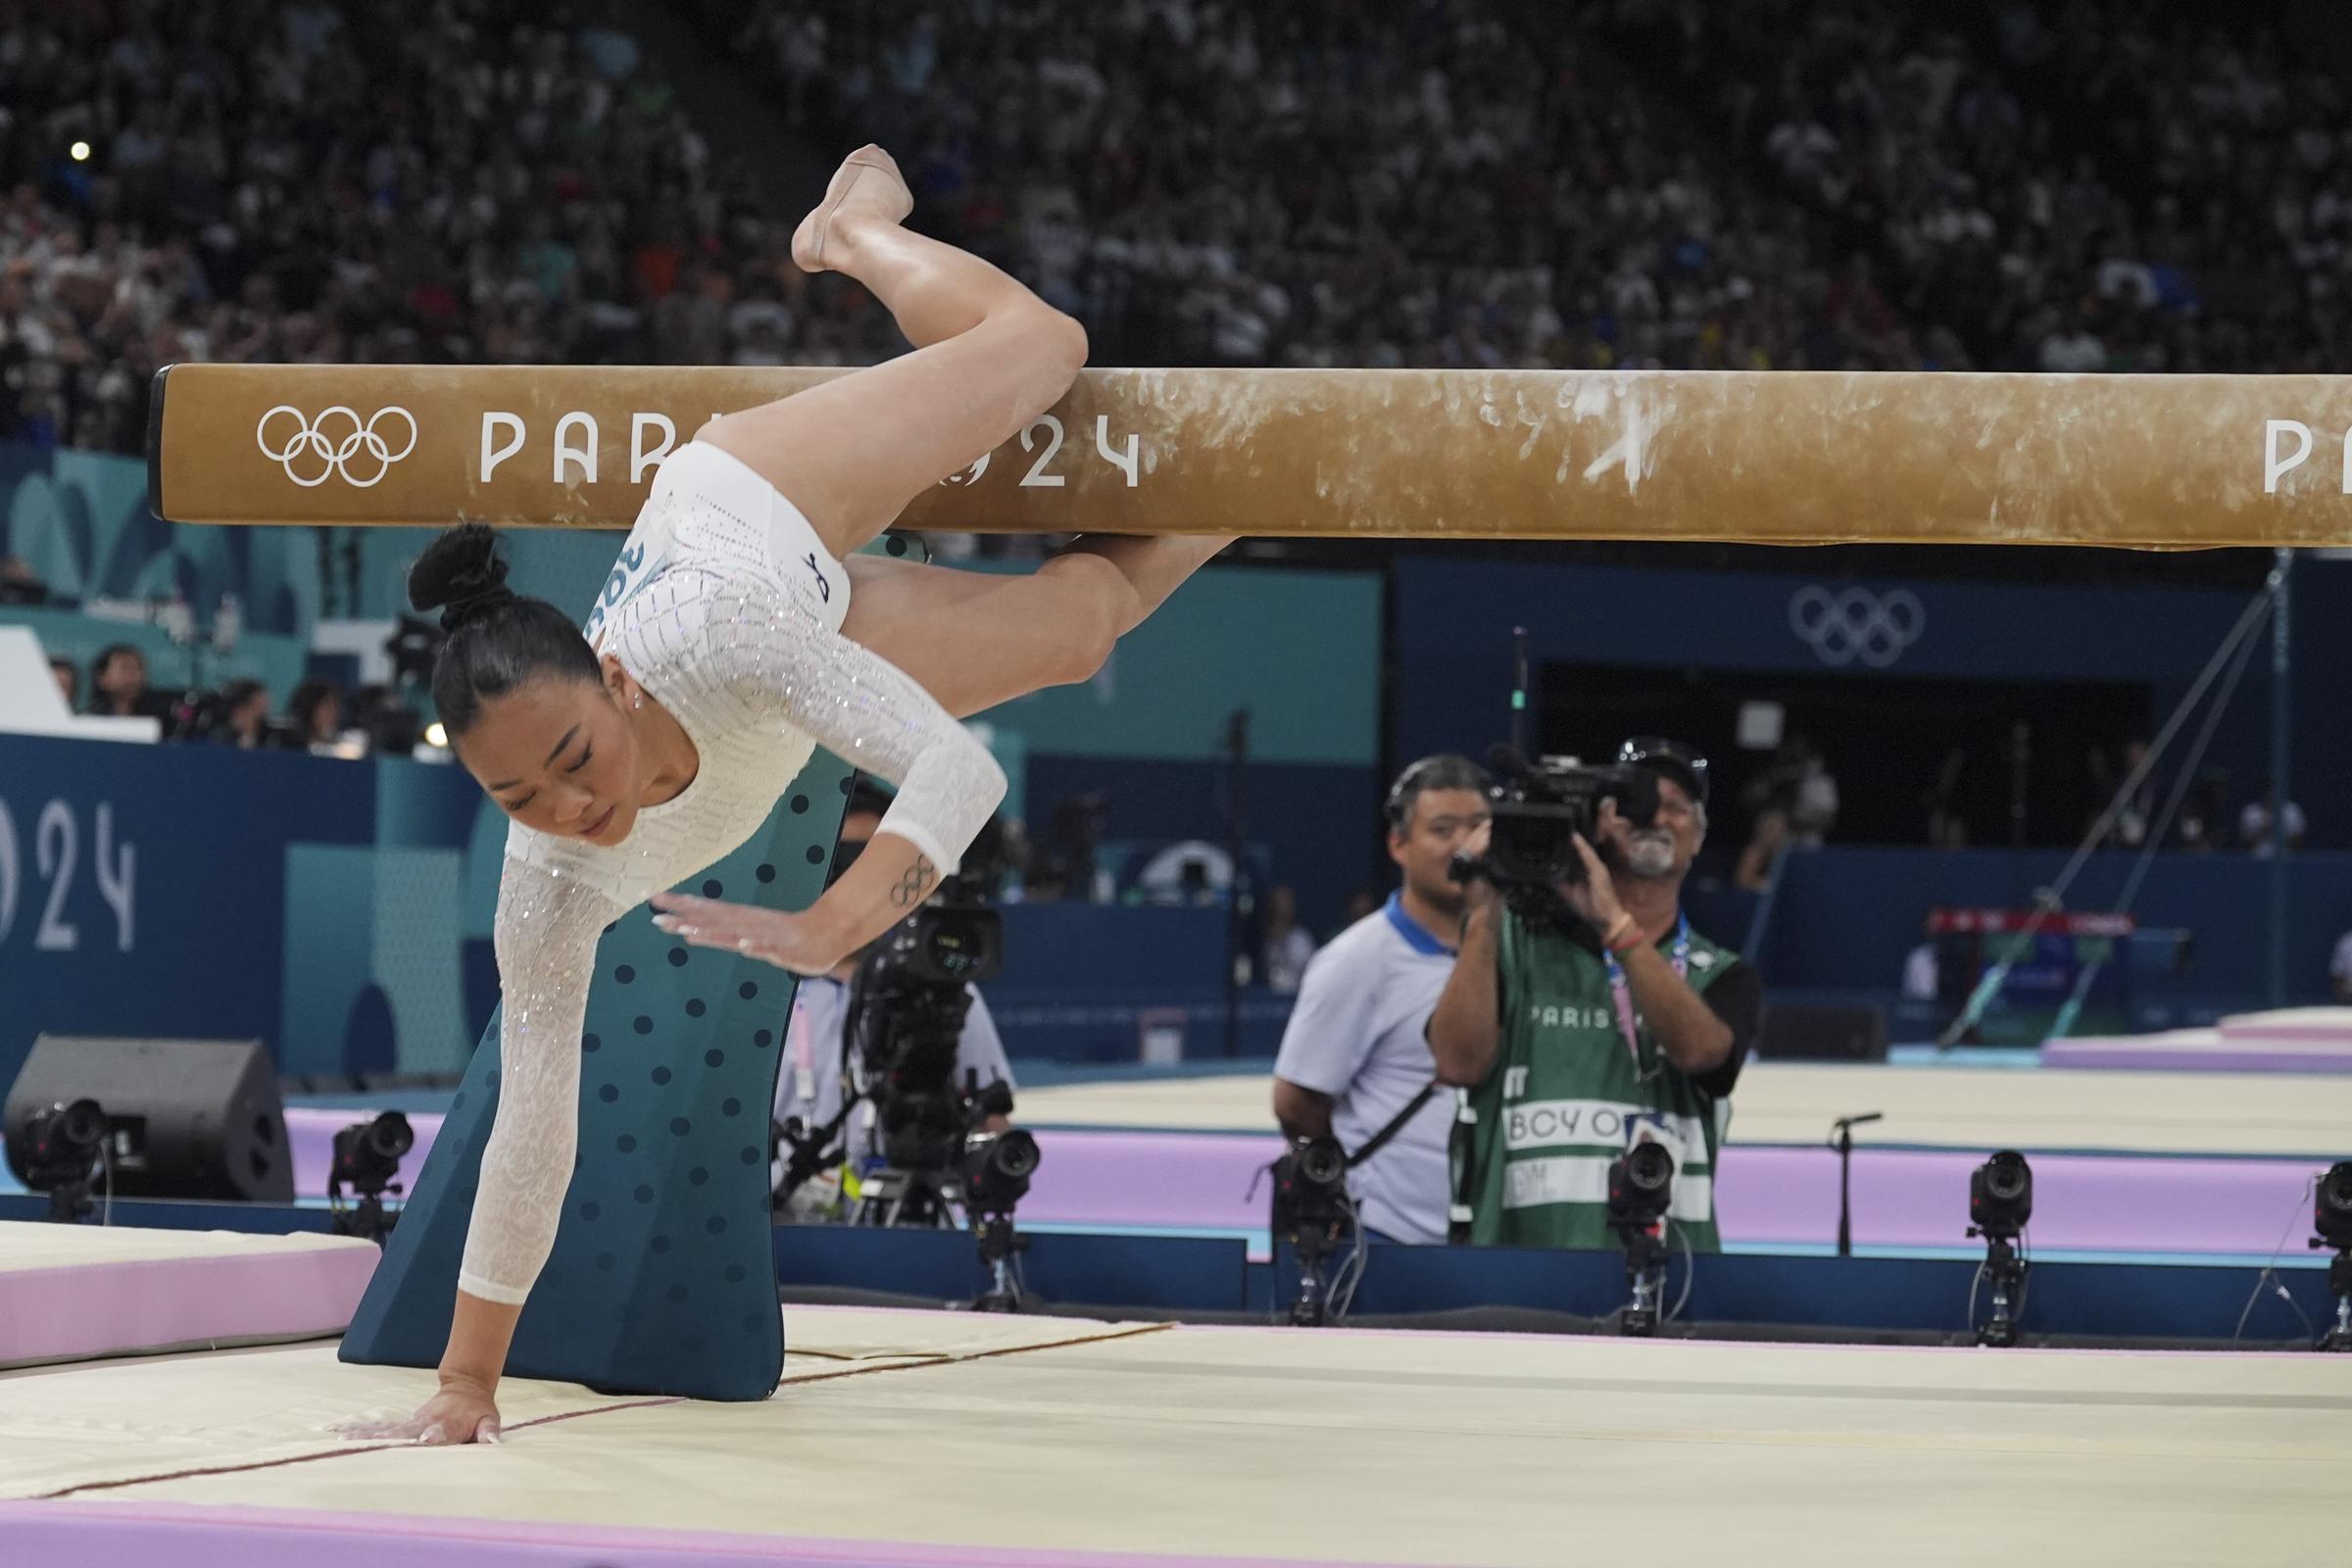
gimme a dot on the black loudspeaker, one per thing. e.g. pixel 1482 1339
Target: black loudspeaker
pixel 1810 1031
pixel 186 1118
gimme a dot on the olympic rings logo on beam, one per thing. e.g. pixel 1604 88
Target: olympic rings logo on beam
pixel 1857 624
pixel 315 451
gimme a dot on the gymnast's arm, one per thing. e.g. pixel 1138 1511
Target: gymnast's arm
pixel 787 668
pixel 547 931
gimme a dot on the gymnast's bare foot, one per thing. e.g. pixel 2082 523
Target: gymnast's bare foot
pixel 867 189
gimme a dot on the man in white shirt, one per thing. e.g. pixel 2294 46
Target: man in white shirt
pixel 818 1046
pixel 1356 1053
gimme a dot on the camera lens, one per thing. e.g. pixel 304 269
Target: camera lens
pixel 2005 1176
pixel 2001 1194
pixel 1321 1164
pixel 2331 1207
pixel 389 1136
pixel 69 1130
pixel 1649 1168
pixel 1013 1154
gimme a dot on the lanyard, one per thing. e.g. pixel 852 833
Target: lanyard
pixel 1623 993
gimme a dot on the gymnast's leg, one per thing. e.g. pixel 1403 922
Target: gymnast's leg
pixel 974 639
pixel 990 357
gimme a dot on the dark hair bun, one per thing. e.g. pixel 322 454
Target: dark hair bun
pixel 463 571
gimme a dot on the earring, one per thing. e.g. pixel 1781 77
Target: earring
pixel 637 701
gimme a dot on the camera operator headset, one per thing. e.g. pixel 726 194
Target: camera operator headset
pixel 1356 1064
pixel 1585 1016
pixel 817 1179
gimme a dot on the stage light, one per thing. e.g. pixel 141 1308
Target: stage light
pixel 1640 1191
pixel 996 1167
pixel 1640 1186
pixel 2000 1202
pixel 366 1157
pixel 1313 1216
pixel 436 734
pixel 63 1147
pixel 81 152
pixel 2000 1196
pixel 2331 1206
pixel 2331 1218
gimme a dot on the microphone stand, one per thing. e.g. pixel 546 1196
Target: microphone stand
pixel 1841 1139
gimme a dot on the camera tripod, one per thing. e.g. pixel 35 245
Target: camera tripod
pixel 2338 1337
pixel 931 1200
pixel 2005 1272
pixel 1645 1277
pixel 367 1219
pixel 1313 1246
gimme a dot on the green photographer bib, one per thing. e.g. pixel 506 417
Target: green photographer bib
pixel 1533 1144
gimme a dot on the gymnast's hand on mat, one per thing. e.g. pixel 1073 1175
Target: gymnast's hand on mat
pixel 787 940
pixel 457 1415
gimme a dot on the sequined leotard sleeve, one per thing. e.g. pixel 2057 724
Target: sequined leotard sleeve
pixel 756 679
pixel 547 924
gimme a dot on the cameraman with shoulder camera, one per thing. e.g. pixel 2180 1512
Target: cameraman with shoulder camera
pixel 1355 1053
pixel 1586 1016
pixel 824 1048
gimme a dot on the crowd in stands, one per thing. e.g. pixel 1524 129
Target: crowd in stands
pixel 294 180
pixel 2058 185
pixel 317 717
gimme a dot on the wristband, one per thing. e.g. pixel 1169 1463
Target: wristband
pixel 1631 939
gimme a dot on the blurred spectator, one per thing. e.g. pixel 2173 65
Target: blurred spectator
pixel 1795 804
pixel 317 716
pixel 1762 855
pixel 244 722
pixel 2135 819
pixel 379 718
pixel 119 686
pixel 1288 946
pixel 69 682
pixel 2254 830
pixel 19 584
pixel 1063 863
pixel 1923 972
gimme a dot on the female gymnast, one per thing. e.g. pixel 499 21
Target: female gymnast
pixel 737 633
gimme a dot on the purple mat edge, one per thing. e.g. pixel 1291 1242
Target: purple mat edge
pixel 1769 1194
pixel 2090 1056
pixel 122 1535
pixel 120 1307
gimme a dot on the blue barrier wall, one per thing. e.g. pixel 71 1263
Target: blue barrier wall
pixel 1452 646
pixel 1846 917
pixel 80 519
pixel 194 891
pixel 340 911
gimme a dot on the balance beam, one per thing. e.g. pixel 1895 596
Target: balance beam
pixel 2161 461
